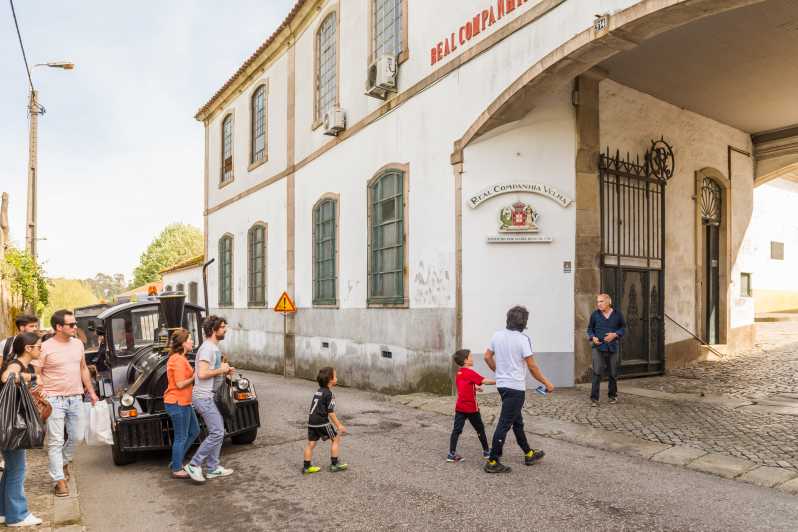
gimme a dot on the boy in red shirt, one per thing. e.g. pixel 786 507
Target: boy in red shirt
pixel 467 381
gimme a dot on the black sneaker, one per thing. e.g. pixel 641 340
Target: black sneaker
pixel 533 456
pixel 494 466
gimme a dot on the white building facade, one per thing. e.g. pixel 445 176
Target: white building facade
pixel 405 222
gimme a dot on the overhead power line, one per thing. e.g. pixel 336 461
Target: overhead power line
pixel 21 46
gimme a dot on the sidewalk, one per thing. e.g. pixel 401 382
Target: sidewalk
pixel 57 514
pixel 735 418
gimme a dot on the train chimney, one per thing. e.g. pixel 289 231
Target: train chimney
pixel 172 306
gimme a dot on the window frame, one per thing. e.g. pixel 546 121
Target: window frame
pixel 776 249
pixel 318 117
pixel 222 180
pixel 253 163
pixel 749 285
pixel 403 300
pixel 222 302
pixel 404 53
pixel 252 302
pixel 193 292
pixel 336 198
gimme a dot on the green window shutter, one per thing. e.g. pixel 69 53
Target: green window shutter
pixel 386 275
pixel 226 271
pixel 324 268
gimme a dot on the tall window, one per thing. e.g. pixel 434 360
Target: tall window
pixel 776 250
pixel 226 271
pixel 181 287
pixel 256 267
pixel 258 127
pixel 227 148
pixel 326 82
pixel 387 27
pixel 386 264
pixel 324 262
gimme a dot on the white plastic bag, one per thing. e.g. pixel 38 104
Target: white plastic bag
pixel 98 428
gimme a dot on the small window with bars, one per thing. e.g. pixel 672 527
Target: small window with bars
pixel 746 290
pixel 258 126
pixel 227 149
pixel 226 271
pixel 387 28
pixel 387 237
pixel 326 76
pixel 777 250
pixel 325 273
pixel 256 267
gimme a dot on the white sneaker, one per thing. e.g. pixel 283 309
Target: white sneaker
pixel 194 472
pixel 31 520
pixel 2 464
pixel 219 472
pixel 2 519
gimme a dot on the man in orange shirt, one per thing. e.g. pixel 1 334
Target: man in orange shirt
pixel 64 379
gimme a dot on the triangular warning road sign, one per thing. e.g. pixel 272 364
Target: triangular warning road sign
pixel 284 304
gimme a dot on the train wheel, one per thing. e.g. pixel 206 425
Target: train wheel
pixel 122 457
pixel 244 437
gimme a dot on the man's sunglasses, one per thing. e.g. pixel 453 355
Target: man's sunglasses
pixel 73 324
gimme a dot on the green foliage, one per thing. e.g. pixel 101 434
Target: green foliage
pixel 69 294
pixel 27 280
pixel 176 243
pixel 106 286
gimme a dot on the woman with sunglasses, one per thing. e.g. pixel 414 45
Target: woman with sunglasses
pixel 13 503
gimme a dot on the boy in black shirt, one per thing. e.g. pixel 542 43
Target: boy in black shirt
pixel 323 423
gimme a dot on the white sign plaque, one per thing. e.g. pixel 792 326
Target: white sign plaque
pixel 518 187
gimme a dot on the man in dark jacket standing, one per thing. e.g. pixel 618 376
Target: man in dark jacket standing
pixel 606 326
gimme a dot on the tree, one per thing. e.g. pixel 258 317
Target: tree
pixel 176 243
pixel 106 286
pixel 68 294
pixel 28 284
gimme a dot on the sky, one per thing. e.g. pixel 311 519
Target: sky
pixel 120 154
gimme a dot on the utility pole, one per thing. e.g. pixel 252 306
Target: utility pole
pixel 34 110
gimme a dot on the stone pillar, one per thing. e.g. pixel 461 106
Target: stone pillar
pixel 587 280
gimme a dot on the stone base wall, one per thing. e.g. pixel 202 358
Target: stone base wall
pixel 775 300
pixel 386 350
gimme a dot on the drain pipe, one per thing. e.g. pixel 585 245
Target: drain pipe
pixel 699 340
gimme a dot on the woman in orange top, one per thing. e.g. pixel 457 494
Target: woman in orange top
pixel 177 399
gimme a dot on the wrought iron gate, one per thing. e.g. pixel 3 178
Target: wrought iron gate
pixel 632 197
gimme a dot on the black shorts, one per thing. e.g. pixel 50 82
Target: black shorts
pixel 322 432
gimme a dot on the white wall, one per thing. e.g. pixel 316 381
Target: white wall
pixel 774 281
pixel 540 148
pixel 186 276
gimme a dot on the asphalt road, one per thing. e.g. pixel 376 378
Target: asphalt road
pixel 398 479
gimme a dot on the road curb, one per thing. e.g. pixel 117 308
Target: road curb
pixel 66 510
pixel 684 456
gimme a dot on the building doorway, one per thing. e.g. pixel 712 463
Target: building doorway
pixel 632 198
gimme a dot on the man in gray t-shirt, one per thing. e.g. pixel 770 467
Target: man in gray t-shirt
pixel 209 370
pixel 204 388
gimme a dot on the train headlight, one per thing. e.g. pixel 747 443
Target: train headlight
pixel 127 400
pixel 242 384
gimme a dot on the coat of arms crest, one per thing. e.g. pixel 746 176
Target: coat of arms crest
pixel 520 217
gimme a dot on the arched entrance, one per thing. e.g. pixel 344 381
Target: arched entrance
pixel 713 212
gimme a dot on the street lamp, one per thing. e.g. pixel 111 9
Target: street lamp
pixel 34 110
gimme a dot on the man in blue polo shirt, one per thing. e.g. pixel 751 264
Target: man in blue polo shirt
pixel 605 328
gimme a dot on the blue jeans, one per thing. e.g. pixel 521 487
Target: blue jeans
pixel 66 409
pixel 211 447
pixel 13 504
pixel 511 416
pixel 186 429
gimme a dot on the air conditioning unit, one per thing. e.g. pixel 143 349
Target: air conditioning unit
pixel 334 121
pixel 381 77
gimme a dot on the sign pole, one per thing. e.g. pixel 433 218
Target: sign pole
pixel 285 355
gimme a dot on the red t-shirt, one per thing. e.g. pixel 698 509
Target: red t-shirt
pixel 467 381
